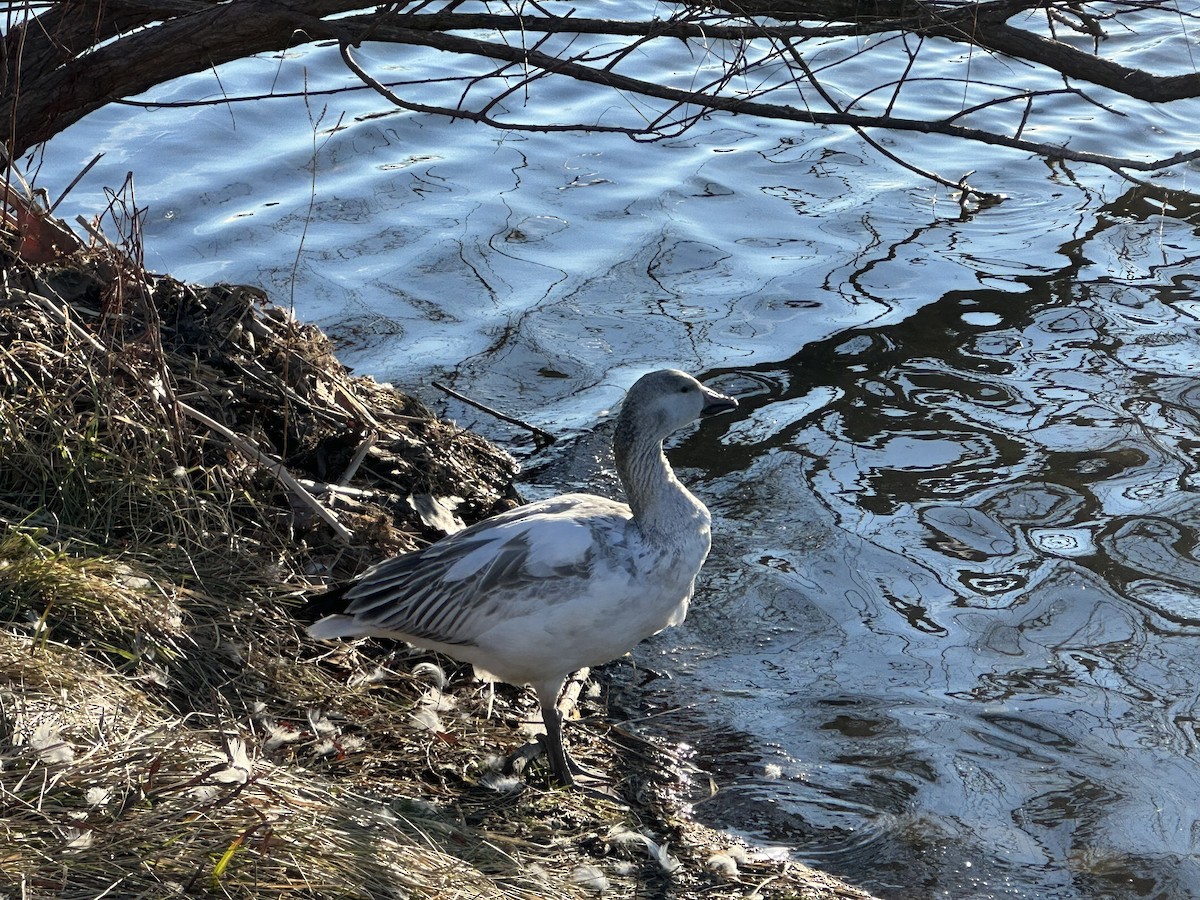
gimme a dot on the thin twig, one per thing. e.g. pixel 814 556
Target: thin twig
pixel 364 447
pixel 325 487
pixel 960 185
pixel 99 235
pixel 544 436
pixel 75 181
pixel 275 466
pixel 569 698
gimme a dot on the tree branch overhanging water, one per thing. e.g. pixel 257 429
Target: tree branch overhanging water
pixel 801 61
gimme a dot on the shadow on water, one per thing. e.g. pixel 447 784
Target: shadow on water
pixel 948 643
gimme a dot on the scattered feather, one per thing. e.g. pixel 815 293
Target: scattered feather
pixel 435 700
pixel 240 768
pixel 279 735
pixel 50 746
pixel 737 853
pixel 723 865
pixel 619 834
pixel 665 860
pixel 500 782
pixel 326 747
pixel 623 834
pixel 432 671
pixel 320 724
pixel 428 720
pixel 352 744
pixel 591 878
pixel 77 838
pixel 770 854
pixel 204 793
pixel 372 676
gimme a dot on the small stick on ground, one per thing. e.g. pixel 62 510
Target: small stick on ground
pixel 275 467
pixel 569 698
pixel 360 454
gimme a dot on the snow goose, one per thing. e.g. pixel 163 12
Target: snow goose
pixel 538 592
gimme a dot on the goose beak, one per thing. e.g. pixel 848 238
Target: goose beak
pixel 715 402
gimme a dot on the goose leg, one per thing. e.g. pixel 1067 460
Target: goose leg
pixel 560 765
pixel 566 771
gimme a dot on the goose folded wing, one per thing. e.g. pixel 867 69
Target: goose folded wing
pixel 456 589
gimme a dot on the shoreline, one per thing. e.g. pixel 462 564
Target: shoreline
pixel 182 465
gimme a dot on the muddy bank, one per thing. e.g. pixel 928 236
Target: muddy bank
pixel 181 466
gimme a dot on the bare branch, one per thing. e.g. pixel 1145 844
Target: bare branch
pixel 69 57
pixel 472 46
pixel 961 184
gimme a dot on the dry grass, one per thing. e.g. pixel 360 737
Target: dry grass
pixel 165 725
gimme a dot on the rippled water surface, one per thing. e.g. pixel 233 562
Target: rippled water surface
pixel 948 642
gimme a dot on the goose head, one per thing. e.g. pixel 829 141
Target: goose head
pixel 665 401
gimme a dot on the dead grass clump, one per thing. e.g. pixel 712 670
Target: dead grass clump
pixel 84 452
pixel 105 793
pixel 84 600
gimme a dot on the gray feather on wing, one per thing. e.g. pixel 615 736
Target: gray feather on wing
pixel 447 592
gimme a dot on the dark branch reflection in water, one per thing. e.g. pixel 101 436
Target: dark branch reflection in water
pixel 958 571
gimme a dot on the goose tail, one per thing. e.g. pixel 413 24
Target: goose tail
pixel 328 603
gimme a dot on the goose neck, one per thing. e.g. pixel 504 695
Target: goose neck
pixel 654 493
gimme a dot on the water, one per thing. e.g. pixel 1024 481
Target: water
pixel 972 537
pixel 946 645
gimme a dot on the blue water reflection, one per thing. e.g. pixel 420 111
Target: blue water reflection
pixel 984 530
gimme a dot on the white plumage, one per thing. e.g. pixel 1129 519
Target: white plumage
pixel 533 594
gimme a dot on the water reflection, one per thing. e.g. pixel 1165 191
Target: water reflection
pixel 959 567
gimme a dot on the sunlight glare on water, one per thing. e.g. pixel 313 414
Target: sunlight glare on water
pixel 1017 546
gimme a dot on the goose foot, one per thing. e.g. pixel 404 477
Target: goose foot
pixel 579 777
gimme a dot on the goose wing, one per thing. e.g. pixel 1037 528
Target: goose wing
pixel 455 590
